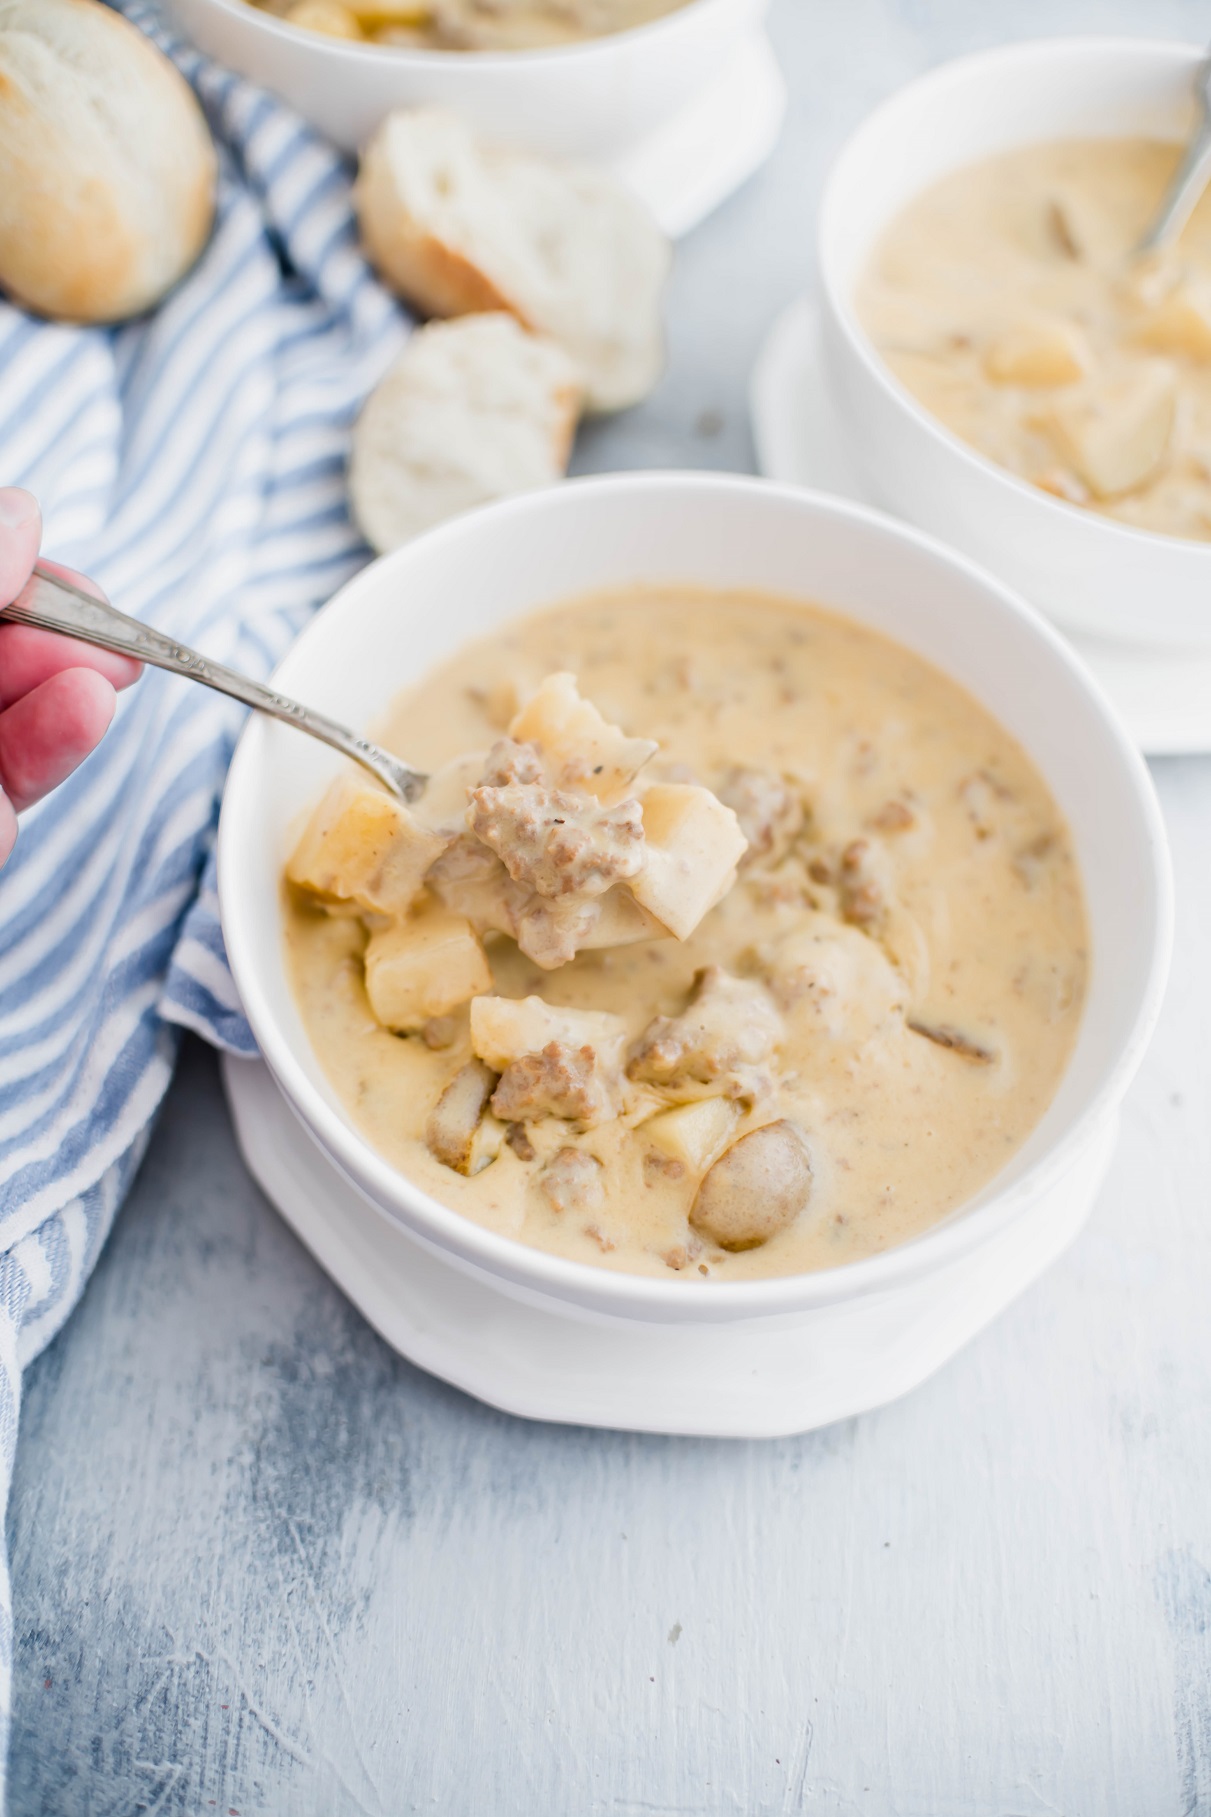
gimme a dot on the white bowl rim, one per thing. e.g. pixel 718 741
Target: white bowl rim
pixel 934 84
pixel 353 54
pixel 615 1292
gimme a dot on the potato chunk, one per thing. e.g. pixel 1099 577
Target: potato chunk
pixel 694 1134
pixel 1180 323
pixel 1040 353
pixel 756 1189
pixel 582 749
pixel 720 1041
pixel 363 846
pixel 327 16
pixel 833 980
pixel 503 1029
pixel 459 1133
pixel 1116 433
pixel 424 966
pixel 694 844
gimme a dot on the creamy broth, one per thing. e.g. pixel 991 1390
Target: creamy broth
pixel 930 874
pixel 1006 300
pixel 470 25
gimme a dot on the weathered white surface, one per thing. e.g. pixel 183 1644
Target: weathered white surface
pixel 263 1566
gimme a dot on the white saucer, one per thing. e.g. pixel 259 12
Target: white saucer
pixel 698 158
pixel 738 1379
pixel 1165 700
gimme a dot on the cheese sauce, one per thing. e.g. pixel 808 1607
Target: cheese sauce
pixel 1005 298
pixel 930 891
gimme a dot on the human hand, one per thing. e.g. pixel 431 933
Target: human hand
pixel 57 695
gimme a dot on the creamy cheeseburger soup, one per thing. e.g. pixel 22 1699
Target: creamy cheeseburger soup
pixel 729 939
pixel 1007 299
pixel 469 25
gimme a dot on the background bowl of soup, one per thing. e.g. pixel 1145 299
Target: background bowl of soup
pixel 681 1354
pixel 592 99
pixel 1086 571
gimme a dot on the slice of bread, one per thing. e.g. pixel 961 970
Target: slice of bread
pixel 107 170
pixel 471 411
pixel 458 226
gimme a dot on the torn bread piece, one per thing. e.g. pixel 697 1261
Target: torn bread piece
pixel 363 847
pixel 471 411
pixel 459 227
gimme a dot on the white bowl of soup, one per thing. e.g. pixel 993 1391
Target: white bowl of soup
pixel 589 96
pixel 958 934
pixel 1009 376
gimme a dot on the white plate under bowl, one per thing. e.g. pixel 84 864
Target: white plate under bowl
pixel 686 168
pixel 1163 696
pixel 728 1381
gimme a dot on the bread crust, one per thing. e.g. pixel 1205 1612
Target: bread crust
pixel 472 410
pixel 442 222
pixel 434 277
pixel 97 219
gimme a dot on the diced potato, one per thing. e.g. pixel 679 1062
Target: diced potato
pixel 374 13
pixel 424 966
pixel 505 1028
pixel 584 750
pixel 695 1134
pixel 1042 353
pixel 327 16
pixel 622 922
pixel 1116 433
pixel 363 846
pixel 1180 323
pixel 461 1133
pixel 694 844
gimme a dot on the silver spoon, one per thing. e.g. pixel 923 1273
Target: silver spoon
pixel 1190 177
pixel 55 605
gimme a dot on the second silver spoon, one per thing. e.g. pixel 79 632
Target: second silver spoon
pixel 1191 176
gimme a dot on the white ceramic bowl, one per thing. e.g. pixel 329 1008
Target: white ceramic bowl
pixel 763 1356
pixel 590 100
pixel 1085 571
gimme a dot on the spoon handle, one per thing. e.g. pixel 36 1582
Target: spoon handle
pixel 53 604
pixel 1189 179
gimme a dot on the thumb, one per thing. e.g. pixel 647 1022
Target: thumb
pixel 20 534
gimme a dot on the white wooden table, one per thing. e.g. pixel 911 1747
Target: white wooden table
pixel 263 1566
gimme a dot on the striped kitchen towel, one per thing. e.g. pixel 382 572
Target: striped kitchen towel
pixel 193 462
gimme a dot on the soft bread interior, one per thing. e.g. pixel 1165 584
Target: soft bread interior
pixel 471 411
pixel 458 226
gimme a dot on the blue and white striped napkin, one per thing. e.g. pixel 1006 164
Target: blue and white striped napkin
pixel 193 462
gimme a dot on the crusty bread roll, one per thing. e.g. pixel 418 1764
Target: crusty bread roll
pixel 107 170
pixel 471 411
pixel 457 226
